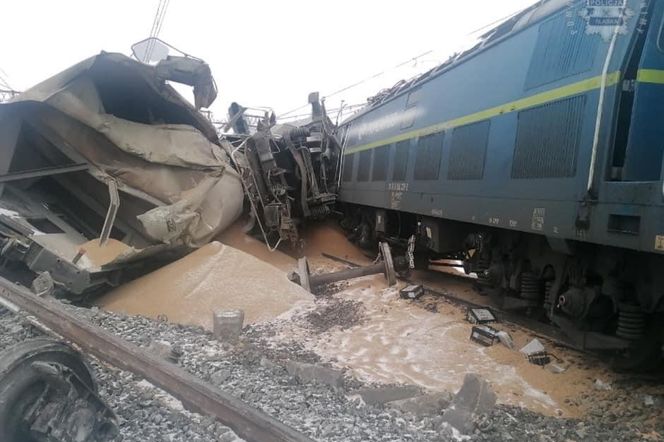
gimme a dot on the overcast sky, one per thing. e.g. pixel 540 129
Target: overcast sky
pixel 262 52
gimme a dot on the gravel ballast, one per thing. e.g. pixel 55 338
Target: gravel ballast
pixel 257 375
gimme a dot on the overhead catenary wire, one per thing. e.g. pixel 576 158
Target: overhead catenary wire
pixel 3 80
pixel 157 24
pixel 411 59
pixel 330 111
pixel 358 83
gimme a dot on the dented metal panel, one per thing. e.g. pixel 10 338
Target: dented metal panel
pixel 112 122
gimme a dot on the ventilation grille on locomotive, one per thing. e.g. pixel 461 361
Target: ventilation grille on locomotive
pixel 468 151
pixel 548 139
pixel 563 49
pixel 364 169
pixel 401 161
pixel 429 151
pixel 381 156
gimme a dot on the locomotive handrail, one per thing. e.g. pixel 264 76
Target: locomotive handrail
pixel 600 110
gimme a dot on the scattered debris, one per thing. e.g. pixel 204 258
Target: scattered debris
pixel 480 316
pixel 146 413
pixel 165 350
pixel 506 339
pixel 484 335
pixel 601 385
pixel 386 266
pixel 385 394
pixel 534 346
pixel 227 324
pixel 426 405
pixel 43 284
pixel 431 306
pixel 540 358
pixel 557 368
pixel 473 399
pixel 316 374
pixel 411 292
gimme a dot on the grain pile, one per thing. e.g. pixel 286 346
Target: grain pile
pixel 214 277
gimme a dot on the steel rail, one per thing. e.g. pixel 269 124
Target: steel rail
pixel 196 395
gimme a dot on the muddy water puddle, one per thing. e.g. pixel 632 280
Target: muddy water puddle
pixel 399 341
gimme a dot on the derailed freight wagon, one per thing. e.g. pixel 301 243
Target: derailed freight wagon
pixel 536 158
pixel 104 165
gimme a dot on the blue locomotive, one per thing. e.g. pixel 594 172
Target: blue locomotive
pixel 536 158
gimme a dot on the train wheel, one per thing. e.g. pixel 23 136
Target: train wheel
pixel 22 384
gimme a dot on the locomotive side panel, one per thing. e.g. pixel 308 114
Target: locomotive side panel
pixel 533 101
pixel 537 161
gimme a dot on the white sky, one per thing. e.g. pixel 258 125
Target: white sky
pixel 262 52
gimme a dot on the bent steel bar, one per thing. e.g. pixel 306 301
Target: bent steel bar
pixel 248 422
pixel 46 171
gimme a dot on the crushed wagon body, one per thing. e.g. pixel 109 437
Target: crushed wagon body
pixel 108 148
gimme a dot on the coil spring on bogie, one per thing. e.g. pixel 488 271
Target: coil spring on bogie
pixel 631 322
pixel 320 211
pixel 530 286
pixel 549 297
pixel 299 132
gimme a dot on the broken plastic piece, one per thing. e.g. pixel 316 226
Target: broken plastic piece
pixel 601 385
pixel 534 346
pixel 411 292
pixel 484 335
pixel 556 368
pixel 505 339
pixel 480 316
pixel 540 358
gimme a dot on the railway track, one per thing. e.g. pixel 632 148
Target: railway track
pixel 196 395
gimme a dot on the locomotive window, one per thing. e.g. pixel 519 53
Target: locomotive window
pixel 380 157
pixel 409 113
pixel 349 162
pixel 429 152
pixel 401 161
pixel 413 97
pixel 660 39
pixel 365 166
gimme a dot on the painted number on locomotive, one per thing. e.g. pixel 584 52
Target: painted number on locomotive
pixel 659 243
pixel 396 194
pixel 537 222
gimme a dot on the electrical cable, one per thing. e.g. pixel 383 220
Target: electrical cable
pixel 157 24
pixel 358 83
